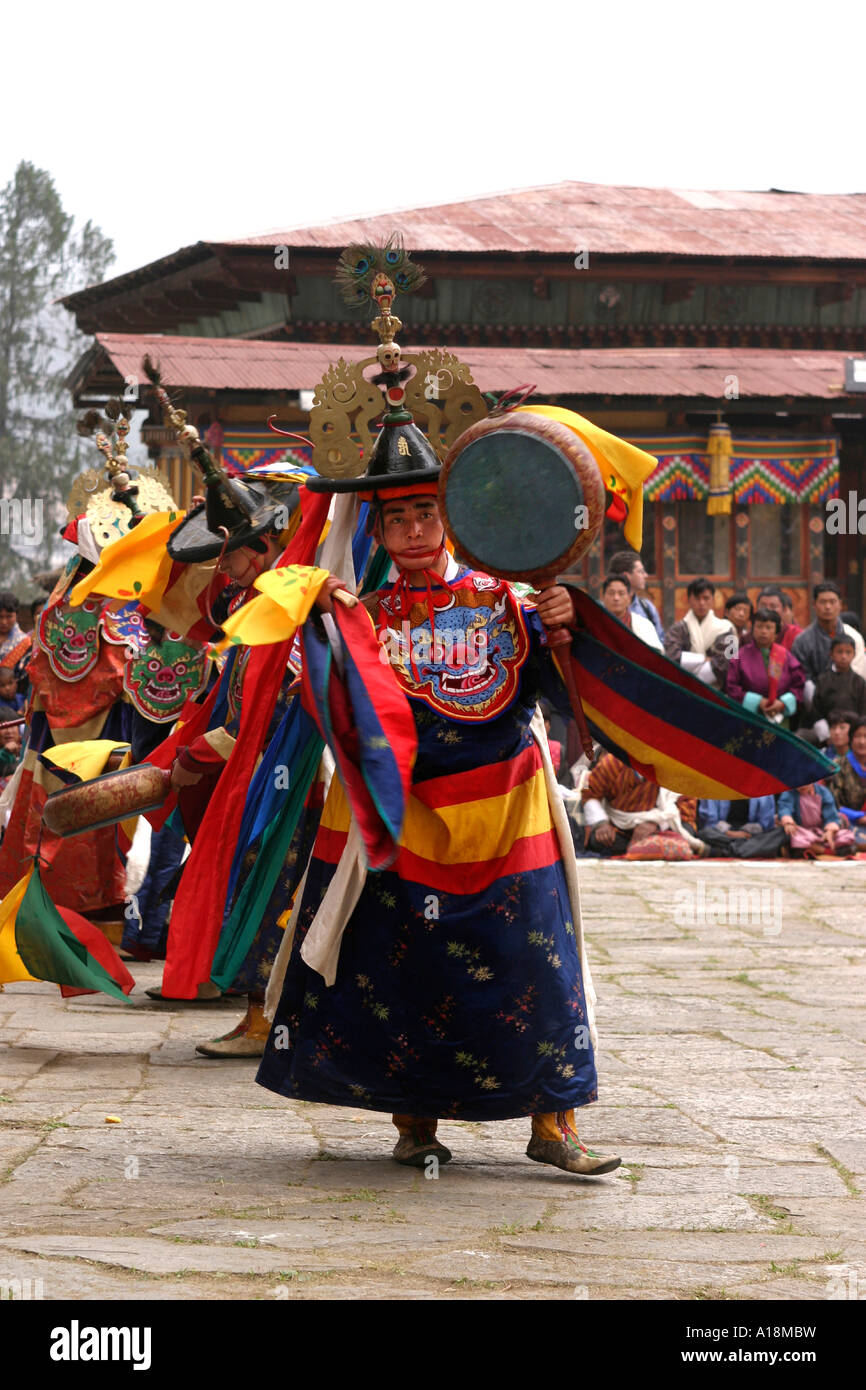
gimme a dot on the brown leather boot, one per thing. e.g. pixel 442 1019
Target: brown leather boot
pixel 554 1140
pixel 248 1039
pixel 418 1141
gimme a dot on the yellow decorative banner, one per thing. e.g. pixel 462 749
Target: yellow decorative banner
pixel 624 467
pixel 12 967
pixel 285 598
pixel 135 567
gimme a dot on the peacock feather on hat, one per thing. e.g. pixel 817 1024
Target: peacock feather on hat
pixel 363 269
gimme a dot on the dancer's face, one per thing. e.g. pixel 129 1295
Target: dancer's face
pixel 244 565
pixel 412 531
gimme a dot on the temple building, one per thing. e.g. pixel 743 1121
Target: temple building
pixel 723 332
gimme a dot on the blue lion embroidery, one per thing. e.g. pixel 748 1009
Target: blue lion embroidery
pixel 468 663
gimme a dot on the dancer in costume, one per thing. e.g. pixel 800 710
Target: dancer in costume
pixel 96 674
pixel 100 684
pixel 459 990
pixel 243 526
pixel 246 548
pixel 434 964
pixel 452 982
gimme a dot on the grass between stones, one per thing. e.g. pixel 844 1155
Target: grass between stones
pixel 760 1202
pixel 844 1173
pixel 632 1173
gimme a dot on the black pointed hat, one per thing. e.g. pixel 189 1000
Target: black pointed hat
pixel 236 511
pixel 243 509
pixel 402 455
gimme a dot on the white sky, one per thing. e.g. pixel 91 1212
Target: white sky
pixel 166 123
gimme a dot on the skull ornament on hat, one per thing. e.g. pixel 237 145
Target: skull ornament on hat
pixel 105 503
pixel 397 412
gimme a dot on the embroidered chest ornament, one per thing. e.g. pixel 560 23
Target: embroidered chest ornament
pixel 463 659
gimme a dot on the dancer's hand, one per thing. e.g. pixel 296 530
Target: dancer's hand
pixel 325 602
pixel 181 778
pixel 555 606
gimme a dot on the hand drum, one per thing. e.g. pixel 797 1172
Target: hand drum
pixel 106 800
pixel 521 497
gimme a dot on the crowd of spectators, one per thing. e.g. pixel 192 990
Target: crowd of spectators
pixel 16 643
pixel 809 680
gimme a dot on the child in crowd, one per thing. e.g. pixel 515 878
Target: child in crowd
pixel 838 688
pixel 9 695
pixel 10 746
pixel 811 821
pixel 849 783
pixel 739 609
pixel 839 722
pixel 741 829
pixel 764 677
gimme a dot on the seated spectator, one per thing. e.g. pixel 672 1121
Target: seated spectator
pixel 629 562
pixel 764 677
pixel 741 829
pixel 812 646
pixel 738 609
pixel 556 748
pixel 627 815
pixel 14 643
pixel 616 597
pixel 9 695
pixel 837 687
pixel 853 623
pixel 790 629
pixel 849 783
pixel 701 642
pixel 810 820
pixel 10 745
pixel 773 597
pixel 839 723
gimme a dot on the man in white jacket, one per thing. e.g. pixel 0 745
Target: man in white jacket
pixel 701 642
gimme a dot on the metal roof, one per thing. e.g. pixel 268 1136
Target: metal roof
pixel 242 364
pixel 563 218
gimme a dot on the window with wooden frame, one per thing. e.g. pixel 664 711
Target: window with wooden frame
pixel 775 541
pixel 704 543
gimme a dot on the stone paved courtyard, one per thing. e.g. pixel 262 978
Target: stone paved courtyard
pixel 732 1079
